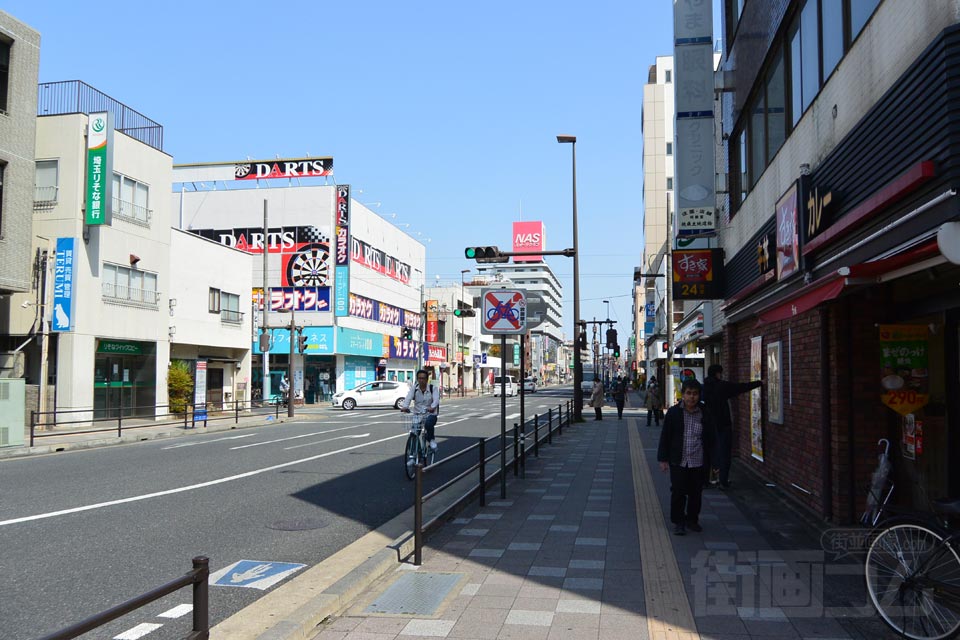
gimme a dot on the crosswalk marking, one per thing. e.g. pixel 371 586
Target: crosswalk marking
pixel 177 612
pixel 138 631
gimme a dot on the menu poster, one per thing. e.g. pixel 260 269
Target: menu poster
pixel 756 408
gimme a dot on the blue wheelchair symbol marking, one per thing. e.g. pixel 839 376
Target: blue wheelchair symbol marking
pixel 254 574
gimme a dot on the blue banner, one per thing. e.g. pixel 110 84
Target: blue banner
pixel 359 343
pixel 63 273
pixel 648 328
pixel 404 349
pixel 341 291
pixel 319 341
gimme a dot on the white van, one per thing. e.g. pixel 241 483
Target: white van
pixel 508 382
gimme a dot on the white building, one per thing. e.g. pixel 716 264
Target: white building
pixel 351 280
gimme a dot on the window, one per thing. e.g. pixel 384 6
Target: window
pixel 776 108
pixel 757 140
pixel 3 166
pixel 123 284
pixel 46 181
pixel 809 53
pixel 743 166
pixel 669 184
pixel 131 200
pixel 832 25
pixel 795 92
pixel 230 311
pixel 669 148
pixel 5 46
pixel 213 301
pixel 668 76
pixel 860 12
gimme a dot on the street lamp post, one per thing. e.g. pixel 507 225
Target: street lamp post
pixel 291 393
pixel 607 373
pixel 463 360
pixel 577 366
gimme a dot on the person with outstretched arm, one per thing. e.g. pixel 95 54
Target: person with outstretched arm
pixel 716 395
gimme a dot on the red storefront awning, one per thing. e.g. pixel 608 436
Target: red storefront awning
pixel 831 286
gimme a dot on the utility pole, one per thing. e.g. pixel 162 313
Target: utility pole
pixel 265 325
pixel 291 390
pixel 44 332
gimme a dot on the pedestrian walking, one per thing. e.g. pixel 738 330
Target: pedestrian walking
pixel 653 403
pixel 685 444
pixel 620 395
pixel 716 395
pixel 596 397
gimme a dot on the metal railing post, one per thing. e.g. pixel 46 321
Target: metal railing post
pixel 236 412
pixel 186 416
pixel 418 518
pixel 516 445
pixel 483 472
pixel 278 410
pixel 120 420
pixel 550 426
pixel 523 453
pixel 33 424
pixel 201 598
pixel 536 435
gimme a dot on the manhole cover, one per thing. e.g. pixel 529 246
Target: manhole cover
pixel 300 524
pixel 415 593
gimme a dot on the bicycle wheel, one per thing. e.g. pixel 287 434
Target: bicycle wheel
pixel 913 578
pixel 429 454
pixel 410 455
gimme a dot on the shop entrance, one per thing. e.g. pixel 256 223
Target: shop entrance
pixel 124 379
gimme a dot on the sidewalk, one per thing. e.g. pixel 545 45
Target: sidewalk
pixel 581 549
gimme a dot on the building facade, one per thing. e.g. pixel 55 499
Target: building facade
pixel 840 236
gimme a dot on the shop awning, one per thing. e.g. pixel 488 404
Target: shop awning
pixel 831 286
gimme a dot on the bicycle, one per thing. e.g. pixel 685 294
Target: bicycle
pixel 416 451
pixel 912 570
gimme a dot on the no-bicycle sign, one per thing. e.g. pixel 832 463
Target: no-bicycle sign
pixel 504 312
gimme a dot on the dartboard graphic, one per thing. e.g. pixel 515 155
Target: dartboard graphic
pixel 242 170
pixel 309 267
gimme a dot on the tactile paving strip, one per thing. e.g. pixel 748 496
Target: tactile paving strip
pixel 415 593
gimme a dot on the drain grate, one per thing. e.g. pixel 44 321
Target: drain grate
pixel 415 594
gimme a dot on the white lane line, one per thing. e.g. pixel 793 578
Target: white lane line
pixel 491 415
pixel 192 444
pixel 201 485
pixel 177 612
pixel 303 435
pixel 310 444
pixel 138 631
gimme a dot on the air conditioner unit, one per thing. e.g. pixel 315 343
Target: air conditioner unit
pixel 12 364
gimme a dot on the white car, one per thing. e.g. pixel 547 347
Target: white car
pixel 372 394
pixel 509 383
pixel 529 385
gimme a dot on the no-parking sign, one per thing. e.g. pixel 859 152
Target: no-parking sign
pixel 504 312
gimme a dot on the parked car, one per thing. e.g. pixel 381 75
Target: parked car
pixel 381 393
pixel 509 382
pixel 529 385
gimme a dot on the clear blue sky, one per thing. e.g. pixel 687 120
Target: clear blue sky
pixel 444 112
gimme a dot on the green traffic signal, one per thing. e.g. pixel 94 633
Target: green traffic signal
pixel 470 252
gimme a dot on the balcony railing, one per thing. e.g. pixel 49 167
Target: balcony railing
pixel 130 212
pixel 228 316
pixel 138 297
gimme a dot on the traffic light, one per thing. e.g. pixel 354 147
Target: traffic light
pixel 611 338
pixel 406 333
pixel 485 255
pixel 464 313
pixel 302 343
pixel 264 342
pixel 616 351
pixel 582 341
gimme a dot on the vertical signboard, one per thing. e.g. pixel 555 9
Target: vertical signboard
pixel 529 236
pixel 63 272
pixel 341 276
pixel 433 321
pixel 200 392
pixel 99 196
pixel 904 367
pixel 788 241
pixel 756 409
pixel 693 96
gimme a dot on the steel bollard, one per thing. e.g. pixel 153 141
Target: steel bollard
pixel 516 444
pixel 418 518
pixel 549 426
pixel 536 435
pixel 483 472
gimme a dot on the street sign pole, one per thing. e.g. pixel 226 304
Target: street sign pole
pixel 503 416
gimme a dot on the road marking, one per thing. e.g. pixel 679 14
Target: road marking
pixel 303 435
pixel 192 444
pixel 201 485
pixel 310 444
pixel 253 574
pixel 138 631
pixel 178 611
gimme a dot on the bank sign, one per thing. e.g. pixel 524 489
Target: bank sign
pixel 99 196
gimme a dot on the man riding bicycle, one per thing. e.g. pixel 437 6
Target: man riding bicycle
pixel 426 400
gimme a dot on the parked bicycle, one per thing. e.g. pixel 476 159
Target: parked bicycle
pixel 912 572
pixel 416 450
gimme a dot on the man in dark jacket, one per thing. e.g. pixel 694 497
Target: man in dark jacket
pixel 685 444
pixel 716 395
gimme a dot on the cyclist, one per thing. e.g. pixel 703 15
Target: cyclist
pixel 426 400
pixel 284 389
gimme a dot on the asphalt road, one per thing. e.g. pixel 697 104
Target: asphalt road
pixel 82 531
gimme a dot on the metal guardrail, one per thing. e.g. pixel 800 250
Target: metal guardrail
pixel 518 461
pixel 120 419
pixel 197 577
